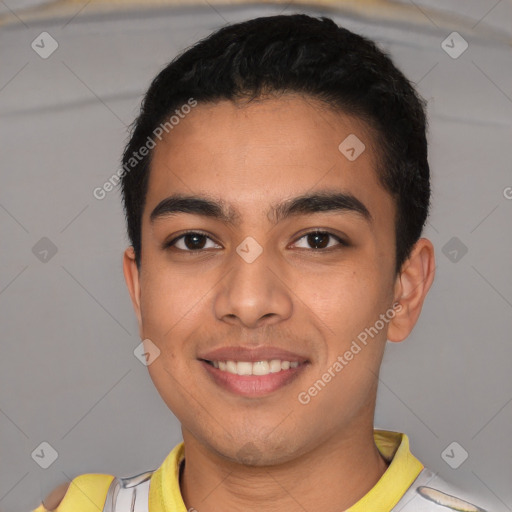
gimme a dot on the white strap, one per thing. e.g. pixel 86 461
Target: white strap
pixel 430 493
pixel 129 494
pixel 124 501
pixel 141 497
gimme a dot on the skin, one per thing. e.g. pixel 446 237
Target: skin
pixel 258 453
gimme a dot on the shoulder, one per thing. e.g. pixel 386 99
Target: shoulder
pixel 86 492
pixel 431 493
pixel 53 499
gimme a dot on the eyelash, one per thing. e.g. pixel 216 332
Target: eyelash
pixel 172 243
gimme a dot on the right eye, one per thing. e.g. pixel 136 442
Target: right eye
pixel 191 241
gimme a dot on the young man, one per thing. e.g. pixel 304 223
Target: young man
pixel 276 185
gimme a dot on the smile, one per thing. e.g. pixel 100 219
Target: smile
pixel 253 379
pixel 254 368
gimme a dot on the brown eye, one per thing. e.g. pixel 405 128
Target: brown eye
pixel 191 242
pixel 321 239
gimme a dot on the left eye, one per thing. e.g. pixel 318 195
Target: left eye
pixel 320 239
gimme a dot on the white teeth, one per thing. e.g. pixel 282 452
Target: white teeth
pixel 231 366
pixel 256 368
pixel 275 366
pixel 260 368
pixel 244 368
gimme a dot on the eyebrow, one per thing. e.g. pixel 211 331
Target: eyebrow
pixel 301 205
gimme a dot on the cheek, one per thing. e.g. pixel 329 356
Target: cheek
pixel 348 303
pixel 346 300
pixel 167 299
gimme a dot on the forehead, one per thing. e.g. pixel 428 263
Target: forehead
pixel 257 154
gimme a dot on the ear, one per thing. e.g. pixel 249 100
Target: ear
pixel 411 288
pixel 131 276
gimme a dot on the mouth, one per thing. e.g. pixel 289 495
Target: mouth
pixel 259 368
pixel 252 371
pixel 253 379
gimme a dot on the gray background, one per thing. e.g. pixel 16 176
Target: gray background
pixel 68 375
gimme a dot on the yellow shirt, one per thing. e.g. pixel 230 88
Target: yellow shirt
pixel 87 493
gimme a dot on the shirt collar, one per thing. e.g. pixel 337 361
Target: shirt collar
pixel 404 467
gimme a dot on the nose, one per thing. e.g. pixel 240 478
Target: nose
pixel 255 292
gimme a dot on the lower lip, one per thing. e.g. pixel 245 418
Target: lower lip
pixel 252 385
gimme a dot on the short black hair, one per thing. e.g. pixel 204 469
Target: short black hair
pixel 295 54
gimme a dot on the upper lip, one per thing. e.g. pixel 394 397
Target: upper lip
pixel 251 354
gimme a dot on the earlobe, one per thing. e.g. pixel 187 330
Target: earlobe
pixel 131 276
pixel 411 288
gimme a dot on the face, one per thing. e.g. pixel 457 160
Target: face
pixel 289 266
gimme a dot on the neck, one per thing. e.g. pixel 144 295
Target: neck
pixel 345 469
